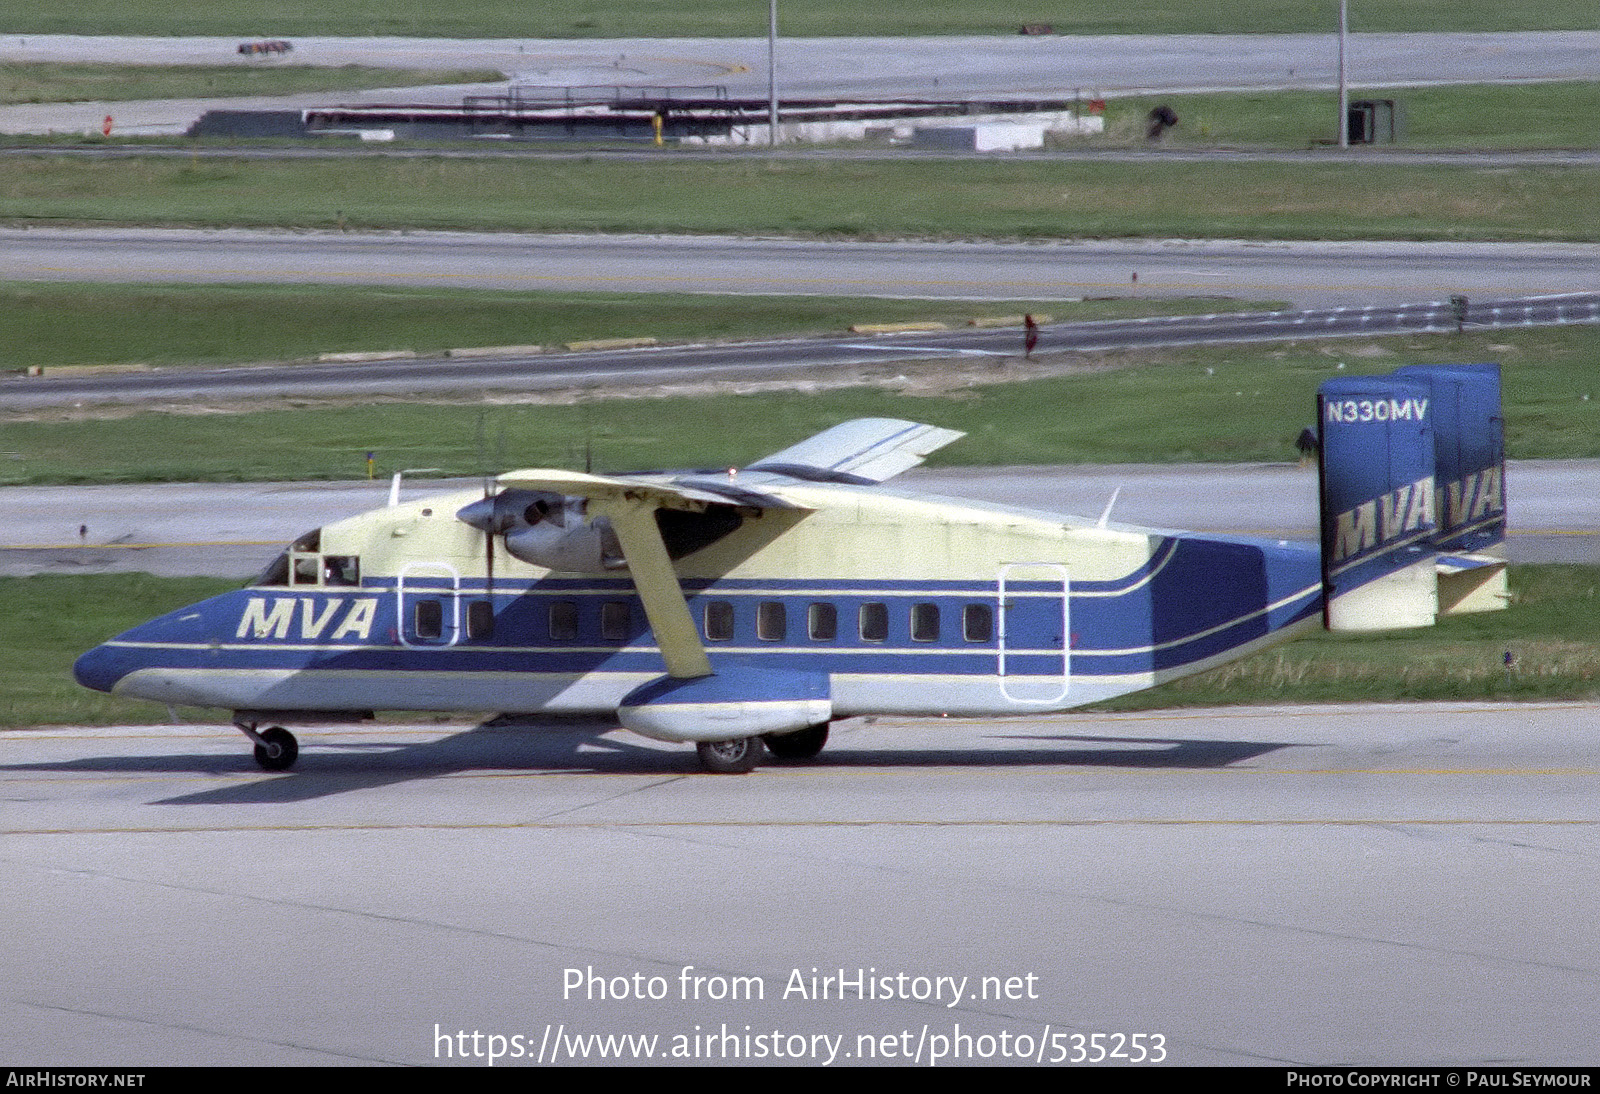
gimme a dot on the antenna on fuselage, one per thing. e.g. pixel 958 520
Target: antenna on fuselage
pixel 1106 514
pixel 394 483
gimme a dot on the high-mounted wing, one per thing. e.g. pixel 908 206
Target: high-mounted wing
pixel 863 451
pixel 692 493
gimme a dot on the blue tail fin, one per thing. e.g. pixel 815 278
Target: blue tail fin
pixel 1469 453
pixel 1470 490
pixel 1413 496
pixel 1377 503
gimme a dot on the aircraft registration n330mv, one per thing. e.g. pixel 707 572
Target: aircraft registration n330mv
pixel 746 609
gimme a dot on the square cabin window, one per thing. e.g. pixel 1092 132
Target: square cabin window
pixel 977 623
pixel 719 621
pixel 430 619
pixel 615 620
pixel 924 622
pixel 480 619
pixel 822 622
pixel 772 621
pixel 563 621
pixel 874 620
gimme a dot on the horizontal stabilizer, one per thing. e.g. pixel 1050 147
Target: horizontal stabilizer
pixel 1471 583
pixel 1457 564
pixel 863 451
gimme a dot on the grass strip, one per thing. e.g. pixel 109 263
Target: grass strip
pixel 845 198
pixel 1224 404
pixel 62 324
pixel 38 82
pixel 1473 116
pixel 816 18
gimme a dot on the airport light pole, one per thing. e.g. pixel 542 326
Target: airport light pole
pixel 1344 75
pixel 772 72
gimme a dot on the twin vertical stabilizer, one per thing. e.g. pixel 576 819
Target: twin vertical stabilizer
pixel 1413 496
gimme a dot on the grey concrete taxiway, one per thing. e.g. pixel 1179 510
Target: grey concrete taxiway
pixel 1306 274
pixel 1297 885
pixel 946 67
pixel 232 530
pixel 235 529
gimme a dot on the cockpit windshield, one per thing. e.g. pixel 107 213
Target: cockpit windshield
pixel 304 564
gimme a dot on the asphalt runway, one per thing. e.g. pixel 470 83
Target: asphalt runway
pixel 235 529
pixel 1355 885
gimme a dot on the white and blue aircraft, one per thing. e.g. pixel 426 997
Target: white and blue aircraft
pixel 746 609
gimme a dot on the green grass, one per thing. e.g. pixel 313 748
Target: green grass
pixel 717 18
pixel 47 621
pixel 49 324
pixel 1476 116
pixel 842 198
pixel 1249 406
pixel 1549 630
pixel 64 83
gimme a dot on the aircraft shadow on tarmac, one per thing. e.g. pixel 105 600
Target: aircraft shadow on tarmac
pixel 337 767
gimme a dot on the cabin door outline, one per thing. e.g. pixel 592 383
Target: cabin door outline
pixel 1029 623
pixel 407 602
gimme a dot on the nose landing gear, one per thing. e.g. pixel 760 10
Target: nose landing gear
pixel 276 748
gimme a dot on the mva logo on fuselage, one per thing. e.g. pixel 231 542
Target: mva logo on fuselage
pixel 274 617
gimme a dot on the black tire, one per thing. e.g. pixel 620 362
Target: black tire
pixel 736 757
pixel 803 744
pixel 278 750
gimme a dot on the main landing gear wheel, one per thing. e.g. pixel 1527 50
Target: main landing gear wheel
pixel 802 744
pixel 736 757
pixel 278 749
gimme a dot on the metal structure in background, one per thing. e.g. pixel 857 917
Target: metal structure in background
pixel 618 112
pixel 1373 121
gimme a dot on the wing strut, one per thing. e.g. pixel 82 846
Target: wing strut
pixel 634 521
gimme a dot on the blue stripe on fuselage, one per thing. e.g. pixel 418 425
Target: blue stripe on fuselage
pixel 1197 598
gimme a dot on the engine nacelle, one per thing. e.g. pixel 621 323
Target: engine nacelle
pixel 585 549
pixel 548 530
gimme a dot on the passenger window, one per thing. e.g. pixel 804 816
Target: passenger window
pixel 719 621
pixel 822 622
pixel 430 619
pixel 874 622
pixel 772 621
pixel 563 621
pixel 977 623
pixel 480 619
pixel 924 622
pixel 614 620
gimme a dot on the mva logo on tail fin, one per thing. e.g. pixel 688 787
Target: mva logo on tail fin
pixel 1413 467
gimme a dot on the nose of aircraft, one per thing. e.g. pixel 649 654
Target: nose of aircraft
pixel 100 668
